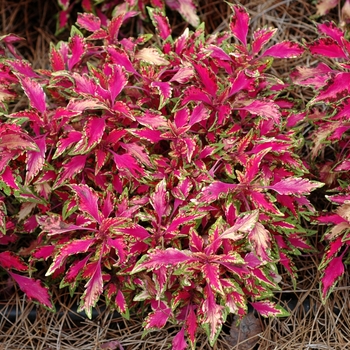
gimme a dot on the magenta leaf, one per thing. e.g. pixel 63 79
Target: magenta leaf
pixel 332 273
pixel 34 92
pixel 211 273
pixel 72 167
pixel 295 185
pixel 88 201
pixel 125 162
pixel 266 109
pixel 77 47
pixel 89 22
pixel 179 342
pixel 166 257
pixel 8 260
pixel 159 317
pixel 71 248
pixel 262 37
pixel 160 22
pixel 116 81
pixel 215 190
pixel 33 289
pixel 36 160
pixel 327 47
pixel 284 49
pixel 268 309
pixel 8 178
pixel 239 23
pixel 159 199
pixel 207 78
pixel 94 288
pixel 212 312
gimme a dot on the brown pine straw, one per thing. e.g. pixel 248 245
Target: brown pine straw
pixel 311 325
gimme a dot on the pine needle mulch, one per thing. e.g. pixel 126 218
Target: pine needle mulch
pixel 311 325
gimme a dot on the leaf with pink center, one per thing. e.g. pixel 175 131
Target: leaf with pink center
pixel 264 108
pixel 331 275
pixel 121 58
pixel 327 47
pixel 207 78
pixel 74 270
pixel 244 224
pixel 260 239
pixel 159 317
pixel 34 92
pixel 239 23
pixel 56 59
pixel 71 248
pixel 44 252
pixel 336 88
pixel 295 185
pixel 88 201
pixel 159 199
pixel 120 302
pixel 120 248
pixel 8 178
pixel 8 260
pixel 169 256
pixel 72 167
pixel 215 190
pixel 126 162
pixel 284 49
pixel 89 22
pixel 138 152
pixel 179 342
pixel 116 82
pixel 77 47
pixel 164 90
pixel 153 120
pixel 212 314
pixel 93 291
pixel 64 143
pixel 33 289
pixel 268 309
pixel 211 273
pixel 254 164
pixel 261 37
pixel 239 83
pixel 92 134
pixel 183 75
pixel 160 22
pixel 114 27
pixel 35 160
pixel 194 94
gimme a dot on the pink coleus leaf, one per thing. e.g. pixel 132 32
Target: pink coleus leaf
pixel 35 160
pixel 207 78
pixel 239 23
pixel 187 10
pixel 327 47
pixel 77 46
pixel 64 143
pixel 93 132
pixel 170 256
pixel 179 342
pixel 159 199
pixel 295 185
pixel 34 92
pixel 183 75
pixel 116 81
pixel 88 201
pixel 191 324
pixel 260 239
pixel 94 288
pixel 89 22
pixel 8 260
pixel 215 190
pixel 262 37
pixel 160 22
pixel 266 109
pixel 159 317
pixel 336 89
pixel 332 273
pixel 164 89
pixel 268 309
pixel 8 178
pixel 33 289
pixel 75 269
pixel 284 49
pixel 212 313
pixel 211 272
pixel 71 248
pixel 72 167
pixel 126 162
pixel 239 83
pixel 244 223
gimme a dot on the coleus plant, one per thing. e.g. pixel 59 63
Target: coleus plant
pixel 164 176
pixel 102 8
pixel 328 113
